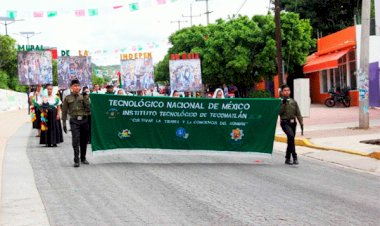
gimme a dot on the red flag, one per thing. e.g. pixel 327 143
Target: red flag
pixel 80 12
pixel 120 81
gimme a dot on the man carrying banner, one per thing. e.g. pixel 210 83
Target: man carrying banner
pixel 79 109
pixel 289 111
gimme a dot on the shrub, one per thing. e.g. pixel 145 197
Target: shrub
pixel 260 94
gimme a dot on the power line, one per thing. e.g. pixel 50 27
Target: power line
pixel 179 22
pixel 242 5
pixel 207 11
pixel 191 15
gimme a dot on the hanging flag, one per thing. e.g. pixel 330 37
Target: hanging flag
pixel 52 13
pixel 93 12
pixel 12 14
pixel 134 6
pixel 118 7
pixel 140 48
pixel 38 14
pixel 161 2
pixel 80 12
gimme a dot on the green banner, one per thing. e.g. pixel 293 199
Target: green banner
pixel 244 125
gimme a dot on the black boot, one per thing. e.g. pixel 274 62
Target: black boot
pixel 295 162
pixel 288 162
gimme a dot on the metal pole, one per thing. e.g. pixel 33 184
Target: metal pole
pixel 278 42
pixel 364 66
pixel 6 28
pixel 207 13
pixel 191 15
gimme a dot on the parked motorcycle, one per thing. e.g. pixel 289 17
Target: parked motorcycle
pixel 335 97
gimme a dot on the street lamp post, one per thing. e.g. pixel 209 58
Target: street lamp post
pixel 6 21
pixel 28 34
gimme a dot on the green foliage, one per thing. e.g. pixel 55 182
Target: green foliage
pixel 55 73
pixel 98 80
pixel 260 94
pixel 8 63
pixel 326 17
pixel 4 78
pixel 241 50
pixel 161 70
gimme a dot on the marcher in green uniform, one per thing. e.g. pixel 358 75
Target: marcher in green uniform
pixel 78 108
pixel 289 111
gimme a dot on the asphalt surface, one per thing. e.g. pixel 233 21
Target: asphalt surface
pixel 199 189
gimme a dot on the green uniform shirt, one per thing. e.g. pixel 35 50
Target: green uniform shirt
pixel 290 110
pixel 75 105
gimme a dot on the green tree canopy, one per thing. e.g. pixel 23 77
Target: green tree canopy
pixel 242 50
pixel 8 64
pixel 326 16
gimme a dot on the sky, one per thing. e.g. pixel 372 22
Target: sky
pixel 113 31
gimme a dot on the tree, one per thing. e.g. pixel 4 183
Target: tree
pixel 243 50
pixel 8 62
pixel 326 16
pixel 98 80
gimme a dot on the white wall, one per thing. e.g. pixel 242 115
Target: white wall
pixel 374 47
pixel 11 100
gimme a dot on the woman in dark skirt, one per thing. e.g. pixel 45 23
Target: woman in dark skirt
pixel 51 129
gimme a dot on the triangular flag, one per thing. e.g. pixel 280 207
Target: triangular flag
pixel 118 7
pixel 161 2
pixel 52 13
pixel 93 12
pixel 134 6
pixel 12 14
pixel 38 14
pixel 80 12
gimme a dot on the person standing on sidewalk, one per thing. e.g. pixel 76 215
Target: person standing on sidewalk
pixel 289 111
pixel 79 109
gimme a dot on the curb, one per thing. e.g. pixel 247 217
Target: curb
pixel 305 142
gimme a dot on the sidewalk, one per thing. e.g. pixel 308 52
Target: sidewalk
pixel 336 129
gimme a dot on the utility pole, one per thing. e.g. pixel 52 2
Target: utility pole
pixel 179 23
pixel 278 41
pixel 364 66
pixel 191 15
pixel 207 12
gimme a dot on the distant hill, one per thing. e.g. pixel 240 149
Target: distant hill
pixel 106 71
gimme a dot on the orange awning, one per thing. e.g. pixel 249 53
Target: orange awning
pixel 328 61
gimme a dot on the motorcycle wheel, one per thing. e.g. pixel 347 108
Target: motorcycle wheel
pixel 347 102
pixel 330 102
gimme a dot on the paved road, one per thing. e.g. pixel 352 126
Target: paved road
pixel 186 189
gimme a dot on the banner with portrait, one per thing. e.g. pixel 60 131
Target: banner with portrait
pixel 137 74
pixel 74 67
pixel 185 75
pixel 35 67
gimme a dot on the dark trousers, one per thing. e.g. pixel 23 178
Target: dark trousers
pixel 79 132
pixel 289 129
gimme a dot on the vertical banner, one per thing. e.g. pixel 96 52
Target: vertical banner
pixel 77 67
pixel 185 75
pixel 35 67
pixel 137 74
pixel 243 125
